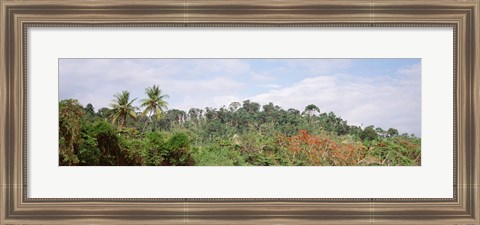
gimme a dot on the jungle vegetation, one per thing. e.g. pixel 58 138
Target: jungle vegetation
pixel 144 132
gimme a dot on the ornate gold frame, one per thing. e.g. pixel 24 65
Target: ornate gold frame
pixel 17 16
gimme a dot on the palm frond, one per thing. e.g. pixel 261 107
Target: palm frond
pixel 122 106
pixel 158 113
pixel 132 114
pixel 155 102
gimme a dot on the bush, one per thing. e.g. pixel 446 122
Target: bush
pixel 131 150
pixel 179 151
pixel 397 151
pixel 163 151
pixel 214 155
pixel 107 143
pixel 368 133
pixel 70 118
pixel 153 151
pixel 88 154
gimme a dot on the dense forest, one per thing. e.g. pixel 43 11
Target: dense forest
pixel 240 134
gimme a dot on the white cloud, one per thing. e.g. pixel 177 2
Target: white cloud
pixel 96 81
pixel 307 90
pixel 382 102
pixel 224 66
pixel 323 66
pixel 208 101
pixel 211 85
pixel 272 86
pixel 392 100
pixel 262 77
pixel 413 70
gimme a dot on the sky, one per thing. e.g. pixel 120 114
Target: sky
pixel 381 92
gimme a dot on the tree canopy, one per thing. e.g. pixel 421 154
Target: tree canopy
pixel 244 133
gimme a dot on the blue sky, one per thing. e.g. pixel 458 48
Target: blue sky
pixel 381 92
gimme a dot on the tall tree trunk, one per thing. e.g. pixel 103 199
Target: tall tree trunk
pixel 124 120
pixel 145 125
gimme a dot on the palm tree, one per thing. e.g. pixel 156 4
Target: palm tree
pixel 155 104
pixel 122 108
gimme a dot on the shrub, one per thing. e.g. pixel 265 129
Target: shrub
pixel 368 133
pixel 163 151
pixel 131 149
pixel 70 118
pixel 214 155
pixel 397 151
pixel 88 153
pixel 107 143
pixel 179 151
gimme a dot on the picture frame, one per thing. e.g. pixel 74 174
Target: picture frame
pixel 17 16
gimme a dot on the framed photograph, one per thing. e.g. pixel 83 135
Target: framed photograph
pixel 239 112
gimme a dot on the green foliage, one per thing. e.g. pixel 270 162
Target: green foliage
pixel 104 113
pixel 392 132
pixel 369 133
pixel 162 150
pixel 107 143
pixel 215 155
pixel 131 149
pixel 251 107
pixel 70 118
pixel 90 114
pixel 122 108
pixel 179 150
pixel 238 135
pixel 154 149
pixel 397 151
pixel 104 145
pixel 155 104
pixel 88 153
pixel 270 155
